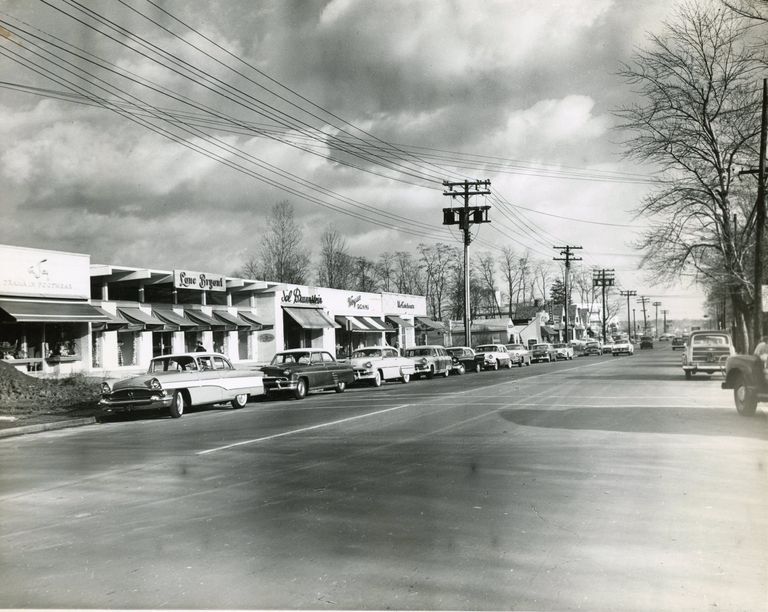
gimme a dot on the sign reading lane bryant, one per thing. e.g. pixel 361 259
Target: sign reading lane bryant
pixel 202 281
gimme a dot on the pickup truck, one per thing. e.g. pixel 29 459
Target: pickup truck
pixel 745 374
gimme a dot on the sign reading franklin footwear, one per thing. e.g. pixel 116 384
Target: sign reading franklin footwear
pixel 38 273
pixel 202 281
pixel 294 296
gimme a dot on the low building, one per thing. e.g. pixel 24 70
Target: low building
pixel 60 314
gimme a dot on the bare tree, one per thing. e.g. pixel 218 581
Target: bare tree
pixel 485 266
pixel 385 271
pixel 698 118
pixel 281 256
pixel 336 266
pixel 436 262
pixel 756 10
pixel 364 275
pixel 407 275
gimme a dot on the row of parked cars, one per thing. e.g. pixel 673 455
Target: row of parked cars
pixel 175 382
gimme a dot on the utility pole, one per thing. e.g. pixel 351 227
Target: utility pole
pixel 628 294
pixel 464 217
pixel 757 313
pixel 665 313
pixel 643 300
pixel 657 304
pixel 566 250
pixel 634 326
pixel 603 278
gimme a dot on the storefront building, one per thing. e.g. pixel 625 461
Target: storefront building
pixel 60 314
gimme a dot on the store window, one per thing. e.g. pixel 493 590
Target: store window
pixel 127 348
pixel 220 342
pixel 162 343
pixel 97 349
pixel 190 340
pixel 242 344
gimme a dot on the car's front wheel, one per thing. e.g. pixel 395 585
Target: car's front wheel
pixel 240 400
pixel 460 369
pixel 509 364
pixel 744 398
pixel 341 386
pixel 300 392
pixel 688 375
pixel 478 367
pixel 376 382
pixel 177 405
pixel 406 378
pixel 431 373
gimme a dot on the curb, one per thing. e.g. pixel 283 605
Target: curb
pixel 40 427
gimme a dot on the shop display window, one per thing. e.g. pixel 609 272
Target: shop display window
pixel 220 340
pixel 190 340
pixel 97 349
pixel 162 343
pixel 127 348
pixel 242 344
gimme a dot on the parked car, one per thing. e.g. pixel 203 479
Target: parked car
pixel 430 359
pixel 707 351
pixel 592 347
pixel 563 351
pixel 623 347
pixel 465 357
pixel 543 352
pixel 300 371
pixel 493 356
pixel 376 364
pixel 519 354
pixel 607 347
pixel 678 342
pixel 646 342
pixel 174 382
pixel 666 337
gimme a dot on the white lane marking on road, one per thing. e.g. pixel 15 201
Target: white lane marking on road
pixel 302 430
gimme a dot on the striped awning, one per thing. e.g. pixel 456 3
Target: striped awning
pixel 404 323
pixel 201 318
pixel 139 317
pixel 51 311
pixel 234 321
pixel 310 318
pixel 180 321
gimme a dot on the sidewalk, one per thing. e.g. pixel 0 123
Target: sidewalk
pixel 17 425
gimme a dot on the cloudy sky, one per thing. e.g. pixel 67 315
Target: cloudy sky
pixel 161 135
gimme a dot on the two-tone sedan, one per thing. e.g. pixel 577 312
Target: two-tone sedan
pixel 519 354
pixel 174 382
pixel 376 364
pixel 493 356
pixel 464 359
pixel 299 371
pixel 563 350
pixel 430 359
pixel 543 352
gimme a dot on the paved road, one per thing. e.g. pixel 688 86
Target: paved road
pixel 600 483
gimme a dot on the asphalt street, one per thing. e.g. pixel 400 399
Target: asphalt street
pixel 600 484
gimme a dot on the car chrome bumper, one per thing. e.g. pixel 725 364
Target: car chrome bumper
pixel 364 375
pixel 279 384
pixel 153 403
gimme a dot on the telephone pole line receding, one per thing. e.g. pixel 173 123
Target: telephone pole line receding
pixel 464 217
pixel 657 304
pixel 629 320
pixel 665 312
pixel 644 300
pixel 603 278
pixel 566 250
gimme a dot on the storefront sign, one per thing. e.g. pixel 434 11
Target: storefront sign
pixel 38 273
pixel 202 281
pixel 403 304
pixel 356 302
pixel 294 296
pixel 266 337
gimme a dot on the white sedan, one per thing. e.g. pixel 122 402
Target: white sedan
pixel 623 347
pixel 379 363
pixel 493 356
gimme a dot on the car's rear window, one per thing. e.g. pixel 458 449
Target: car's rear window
pixel 515 347
pixel 710 340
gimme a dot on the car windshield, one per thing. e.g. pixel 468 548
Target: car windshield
pixel 515 347
pixel 456 352
pixel 710 340
pixel 541 347
pixel 418 352
pixel 560 345
pixel 183 363
pixel 367 352
pixel 486 347
pixel 283 358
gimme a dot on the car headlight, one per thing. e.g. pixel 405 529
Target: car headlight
pixel 367 364
pixel 286 372
pixel 155 384
pixel 105 388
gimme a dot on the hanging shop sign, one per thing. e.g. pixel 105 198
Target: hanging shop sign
pixel 38 273
pixel 201 281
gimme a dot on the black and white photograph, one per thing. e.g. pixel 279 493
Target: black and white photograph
pixel 384 305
